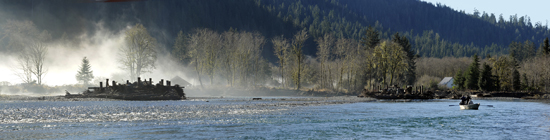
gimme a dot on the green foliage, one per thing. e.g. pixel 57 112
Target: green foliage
pixel 344 19
pixel 486 81
pixel 453 25
pixel 545 47
pixel 521 51
pixel 410 75
pixel 516 83
pixel 371 38
pixel 503 67
pixel 472 76
pixel 85 73
pixel 390 59
pixel 459 80
pixel 431 44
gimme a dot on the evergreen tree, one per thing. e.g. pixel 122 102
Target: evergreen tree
pixel 472 78
pixel 486 81
pixel 372 38
pixel 85 73
pixel 497 82
pixel 459 80
pixel 546 47
pixel 516 84
pixel 410 74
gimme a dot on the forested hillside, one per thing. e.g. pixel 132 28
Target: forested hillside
pixel 482 28
pixel 434 30
pixel 164 19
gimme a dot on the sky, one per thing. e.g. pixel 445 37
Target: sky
pixel 535 9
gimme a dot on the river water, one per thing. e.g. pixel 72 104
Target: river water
pixel 241 118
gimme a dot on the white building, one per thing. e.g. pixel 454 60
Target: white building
pixel 447 81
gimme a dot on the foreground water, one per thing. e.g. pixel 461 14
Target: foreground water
pixel 240 118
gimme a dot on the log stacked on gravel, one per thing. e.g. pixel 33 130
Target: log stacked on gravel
pixel 139 90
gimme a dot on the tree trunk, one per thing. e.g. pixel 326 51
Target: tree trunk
pixel 198 74
pixel 299 71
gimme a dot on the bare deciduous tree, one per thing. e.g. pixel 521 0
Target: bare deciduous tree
pixel 538 72
pixel 180 51
pixel 30 46
pixel 37 51
pixel 297 45
pixel 325 44
pixel 281 46
pixel 139 54
pixel 232 56
pixel 441 67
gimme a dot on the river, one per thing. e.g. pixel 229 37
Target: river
pixel 275 118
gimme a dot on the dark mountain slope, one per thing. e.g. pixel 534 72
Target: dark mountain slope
pixel 482 29
pixel 164 19
pixel 435 31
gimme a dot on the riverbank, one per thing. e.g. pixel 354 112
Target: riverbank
pixel 303 99
pixel 495 94
pixel 264 91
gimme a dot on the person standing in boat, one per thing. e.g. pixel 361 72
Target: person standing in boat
pixel 468 99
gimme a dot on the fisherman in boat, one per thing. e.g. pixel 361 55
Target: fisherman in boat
pixel 468 100
pixel 463 102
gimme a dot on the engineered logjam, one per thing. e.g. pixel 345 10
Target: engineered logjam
pixel 138 90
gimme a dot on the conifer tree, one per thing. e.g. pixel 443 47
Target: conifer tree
pixel 459 80
pixel 85 73
pixel 371 39
pixel 516 84
pixel 472 78
pixel 410 74
pixel 546 47
pixel 486 81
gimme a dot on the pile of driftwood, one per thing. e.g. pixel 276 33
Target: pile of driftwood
pixel 395 92
pixel 139 90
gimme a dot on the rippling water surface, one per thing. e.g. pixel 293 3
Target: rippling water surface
pixel 280 119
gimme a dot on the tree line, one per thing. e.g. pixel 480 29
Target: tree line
pixel 233 58
pixel 230 58
pixel 525 68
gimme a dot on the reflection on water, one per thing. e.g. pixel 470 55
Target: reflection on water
pixel 242 119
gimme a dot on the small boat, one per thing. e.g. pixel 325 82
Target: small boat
pixel 470 106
